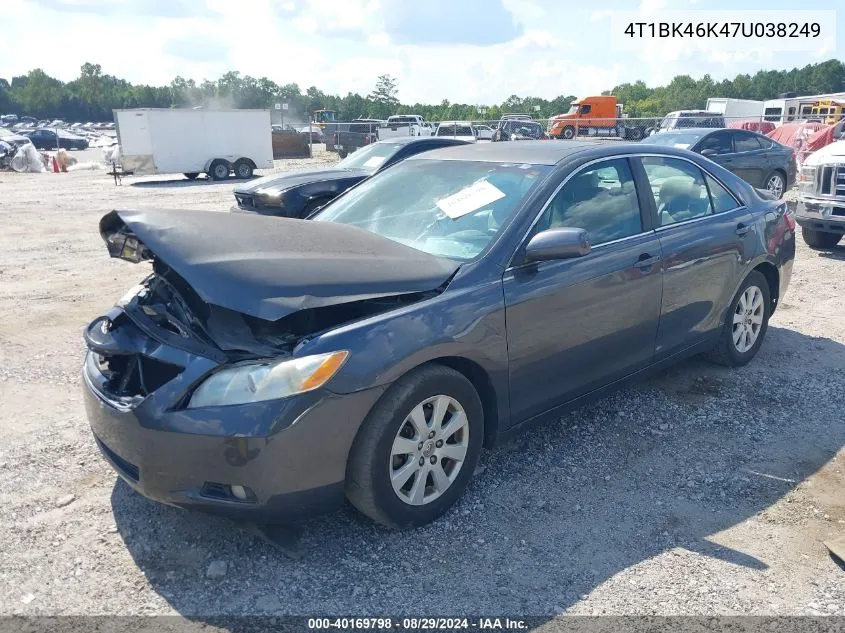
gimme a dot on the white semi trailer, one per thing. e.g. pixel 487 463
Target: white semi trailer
pixel 194 142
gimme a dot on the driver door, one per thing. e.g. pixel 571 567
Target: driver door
pixel 578 324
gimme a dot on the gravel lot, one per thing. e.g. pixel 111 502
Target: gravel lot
pixel 700 491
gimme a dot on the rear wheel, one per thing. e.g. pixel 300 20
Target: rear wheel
pixel 635 133
pixel 191 175
pixel 776 184
pixel 342 153
pixel 243 169
pixel 745 324
pixel 219 170
pixel 417 449
pixel 819 239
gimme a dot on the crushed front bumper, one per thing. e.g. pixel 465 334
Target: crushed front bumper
pixel 289 454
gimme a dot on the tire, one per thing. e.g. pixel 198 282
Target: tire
pixel 342 153
pixel 729 353
pixel 191 175
pixel 776 184
pixel 312 206
pixel 819 239
pixel 635 134
pixel 243 169
pixel 568 133
pixel 218 170
pixel 372 459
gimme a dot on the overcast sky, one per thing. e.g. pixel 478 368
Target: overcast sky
pixel 467 51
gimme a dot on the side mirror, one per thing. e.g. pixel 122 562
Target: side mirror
pixel 563 243
pixel 708 152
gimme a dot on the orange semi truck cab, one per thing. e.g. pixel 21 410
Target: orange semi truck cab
pixel 593 116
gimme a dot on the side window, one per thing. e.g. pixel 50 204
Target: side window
pixel 678 188
pixel 721 197
pixel 720 142
pixel 585 109
pixel 602 200
pixel 745 142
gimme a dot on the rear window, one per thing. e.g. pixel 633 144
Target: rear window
pixel 454 130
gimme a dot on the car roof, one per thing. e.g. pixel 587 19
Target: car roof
pixel 693 130
pixel 532 152
pixel 412 140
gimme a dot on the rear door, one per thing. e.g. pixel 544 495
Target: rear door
pixel 575 325
pixel 705 235
pixel 749 160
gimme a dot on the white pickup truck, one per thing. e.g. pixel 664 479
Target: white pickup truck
pixel 404 125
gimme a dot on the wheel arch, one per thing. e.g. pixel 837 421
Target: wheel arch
pixel 770 272
pixel 483 385
pixel 211 161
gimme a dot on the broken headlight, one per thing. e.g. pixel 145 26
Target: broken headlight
pixel 256 382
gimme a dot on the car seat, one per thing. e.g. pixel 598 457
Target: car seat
pixel 675 199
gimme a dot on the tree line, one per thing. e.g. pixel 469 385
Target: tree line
pixel 93 95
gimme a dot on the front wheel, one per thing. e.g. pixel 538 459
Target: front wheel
pixel 819 239
pixel 568 133
pixel 745 324
pixel 417 450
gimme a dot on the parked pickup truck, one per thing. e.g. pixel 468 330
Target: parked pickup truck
pixel 821 197
pixel 345 138
pixel 404 125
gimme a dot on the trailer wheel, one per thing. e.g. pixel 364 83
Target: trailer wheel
pixel 191 175
pixel 219 170
pixel 342 153
pixel 568 132
pixel 243 169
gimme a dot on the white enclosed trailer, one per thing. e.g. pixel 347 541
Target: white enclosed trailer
pixel 193 142
pixel 735 109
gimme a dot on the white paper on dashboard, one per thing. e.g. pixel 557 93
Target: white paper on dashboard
pixel 375 161
pixel 470 199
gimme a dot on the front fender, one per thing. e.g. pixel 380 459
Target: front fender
pixel 467 324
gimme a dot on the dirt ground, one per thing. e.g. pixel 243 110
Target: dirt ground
pixel 701 491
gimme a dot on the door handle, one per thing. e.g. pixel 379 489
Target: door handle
pixel 742 229
pixel 646 260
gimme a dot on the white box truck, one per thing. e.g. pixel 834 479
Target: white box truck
pixel 736 109
pixel 194 142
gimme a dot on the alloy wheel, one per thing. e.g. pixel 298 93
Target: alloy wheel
pixel 775 185
pixel 429 450
pixel 748 319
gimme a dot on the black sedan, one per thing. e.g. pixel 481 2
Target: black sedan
pixel 299 194
pixel 52 139
pixel 753 157
pixel 268 368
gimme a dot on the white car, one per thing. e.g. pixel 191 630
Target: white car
pixel 463 130
pixel 483 132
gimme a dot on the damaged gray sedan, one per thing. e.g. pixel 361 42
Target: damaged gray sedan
pixel 269 368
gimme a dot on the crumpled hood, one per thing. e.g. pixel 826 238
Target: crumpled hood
pixel 833 153
pixel 270 267
pixel 280 182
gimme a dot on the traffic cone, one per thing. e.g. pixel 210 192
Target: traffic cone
pixel 55 165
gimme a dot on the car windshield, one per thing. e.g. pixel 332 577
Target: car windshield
pixel 370 157
pixel 573 108
pixel 454 130
pixel 443 207
pixel 684 140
